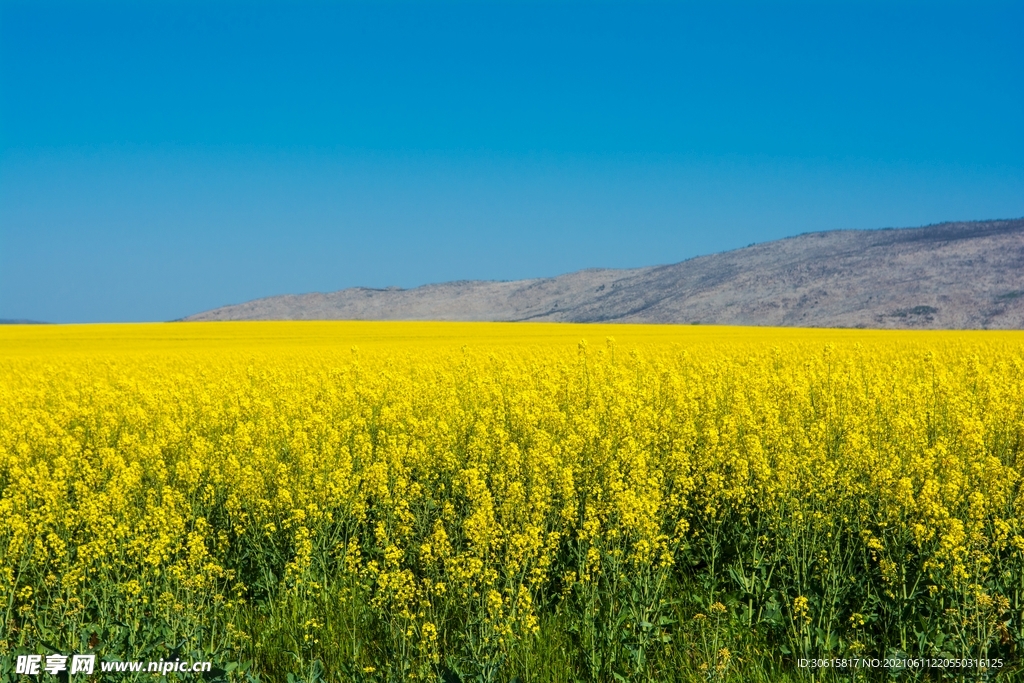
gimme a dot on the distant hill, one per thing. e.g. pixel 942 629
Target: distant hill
pixel 945 276
pixel 14 321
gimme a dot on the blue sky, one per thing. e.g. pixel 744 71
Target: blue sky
pixel 159 158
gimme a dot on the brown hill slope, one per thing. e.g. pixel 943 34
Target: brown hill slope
pixel 950 275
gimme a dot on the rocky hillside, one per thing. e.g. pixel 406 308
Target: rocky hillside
pixel 950 275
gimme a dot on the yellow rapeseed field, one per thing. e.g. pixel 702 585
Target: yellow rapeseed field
pixel 496 502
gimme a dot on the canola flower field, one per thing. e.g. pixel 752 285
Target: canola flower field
pixel 513 502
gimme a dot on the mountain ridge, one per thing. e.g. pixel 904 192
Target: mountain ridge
pixel 953 275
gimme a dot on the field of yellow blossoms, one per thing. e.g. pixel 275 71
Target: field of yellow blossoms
pixel 512 502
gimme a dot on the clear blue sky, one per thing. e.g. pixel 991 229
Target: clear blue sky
pixel 162 158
